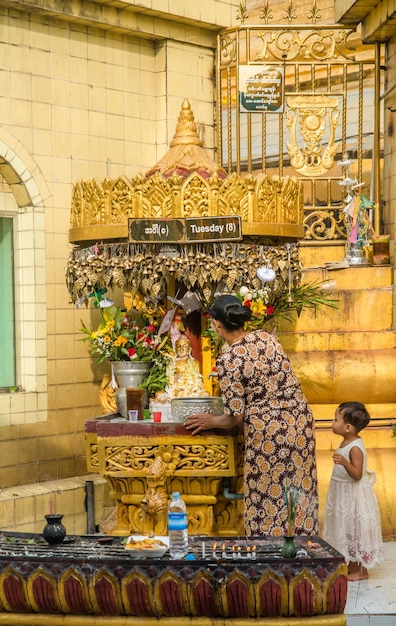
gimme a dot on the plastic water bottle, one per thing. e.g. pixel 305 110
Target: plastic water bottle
pixel 177 527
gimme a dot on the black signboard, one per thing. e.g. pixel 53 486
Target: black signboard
pixel 213 228
pixel 188 230
pixel 156 230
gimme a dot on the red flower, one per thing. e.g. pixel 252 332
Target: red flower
pixel 148 341
pixel 131 352
pixel 270 310
pixel 247 303
pixel 151 328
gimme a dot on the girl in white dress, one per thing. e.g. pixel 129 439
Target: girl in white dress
pixel 352 522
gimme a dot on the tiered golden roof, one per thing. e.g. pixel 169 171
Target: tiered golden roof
pixel 186 182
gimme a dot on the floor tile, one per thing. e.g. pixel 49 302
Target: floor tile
pixel 372 602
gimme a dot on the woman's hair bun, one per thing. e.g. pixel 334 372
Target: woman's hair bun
pixel 230 312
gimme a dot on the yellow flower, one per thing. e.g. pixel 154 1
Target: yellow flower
pixel 258 308
pixel 120 341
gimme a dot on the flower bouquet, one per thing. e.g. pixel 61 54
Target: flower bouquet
pixel 266 305
pixel 130 336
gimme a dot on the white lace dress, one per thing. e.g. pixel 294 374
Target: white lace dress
pixel 352 523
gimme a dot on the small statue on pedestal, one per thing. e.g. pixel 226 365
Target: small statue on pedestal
pixel 155 502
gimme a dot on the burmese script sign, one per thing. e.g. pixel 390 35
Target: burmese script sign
pixel 185 230
pixel 261 88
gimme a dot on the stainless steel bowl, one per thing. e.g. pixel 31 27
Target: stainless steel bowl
pixel 183 407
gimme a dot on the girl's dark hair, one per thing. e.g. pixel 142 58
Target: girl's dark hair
pixel 230 312
pixel 356 414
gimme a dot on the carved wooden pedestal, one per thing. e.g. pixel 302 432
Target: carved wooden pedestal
pixel 205 469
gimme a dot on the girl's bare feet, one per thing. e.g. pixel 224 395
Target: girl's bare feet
pixel 356 571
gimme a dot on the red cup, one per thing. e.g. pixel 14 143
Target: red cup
pixel 157 416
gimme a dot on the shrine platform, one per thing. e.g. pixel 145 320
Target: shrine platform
pixel 95 580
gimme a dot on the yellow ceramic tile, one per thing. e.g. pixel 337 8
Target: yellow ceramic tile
pixel 5 404
pixel 27 431
pixel 30 402
pixel 7 513
pixel 25 510
pixel 8 454
pixel 27 451
pixel 47 470
pixel 44 504
pixel 27 473
pixel 80 523
pixel 65 503
pixel 79 443
pixel 65 446
pixel 65 371
pixel 47 450
pixel 67 467
pixel 81 465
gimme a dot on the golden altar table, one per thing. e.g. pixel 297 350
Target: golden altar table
pixel 206 469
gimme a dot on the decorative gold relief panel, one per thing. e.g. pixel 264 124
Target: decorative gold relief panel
pixel 125 456
pixel 309 116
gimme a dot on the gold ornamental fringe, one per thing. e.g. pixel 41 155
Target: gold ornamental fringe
pixel 203 268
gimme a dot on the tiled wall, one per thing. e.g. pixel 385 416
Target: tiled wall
pixel 78 102
pixel 22 509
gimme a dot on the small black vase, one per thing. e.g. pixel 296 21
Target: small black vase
pixel 54 532
pixel 289 550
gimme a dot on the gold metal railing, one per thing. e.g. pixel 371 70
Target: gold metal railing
pixel 293 100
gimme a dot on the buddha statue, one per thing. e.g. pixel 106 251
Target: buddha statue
pixel 184 373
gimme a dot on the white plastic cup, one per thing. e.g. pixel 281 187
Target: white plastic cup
pixel 133 415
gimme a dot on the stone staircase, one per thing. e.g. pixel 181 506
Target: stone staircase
pixel 349 353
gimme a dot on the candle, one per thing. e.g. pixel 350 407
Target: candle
pixel 214 551
pixel 223 551
pixel 248 552
pixel 239 552
pixel 233 552
pixel 254 552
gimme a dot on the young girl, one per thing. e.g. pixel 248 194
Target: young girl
pixel 352 520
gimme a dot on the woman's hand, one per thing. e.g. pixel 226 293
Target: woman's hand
pixel 206 421
pixel 201 421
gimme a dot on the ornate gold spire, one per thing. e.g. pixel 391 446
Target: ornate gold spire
pixel 186 128
pixel 186 154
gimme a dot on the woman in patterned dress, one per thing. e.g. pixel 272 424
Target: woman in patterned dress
pixel 259 387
